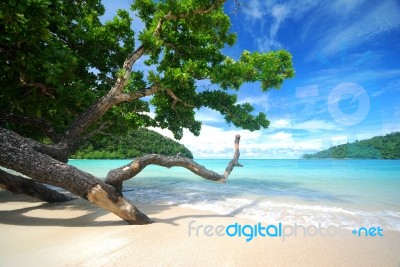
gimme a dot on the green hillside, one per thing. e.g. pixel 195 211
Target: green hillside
pixel 379 147
pixel 134 144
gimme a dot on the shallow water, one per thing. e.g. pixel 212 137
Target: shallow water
pixel 353 193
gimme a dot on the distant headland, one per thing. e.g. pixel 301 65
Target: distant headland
pixel 378 147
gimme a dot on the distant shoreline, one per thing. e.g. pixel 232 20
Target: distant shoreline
pixel 378 147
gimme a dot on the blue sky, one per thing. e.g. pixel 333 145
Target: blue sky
pixel 346 87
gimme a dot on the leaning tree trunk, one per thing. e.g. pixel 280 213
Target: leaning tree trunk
pixel 17 154
pixel 20 185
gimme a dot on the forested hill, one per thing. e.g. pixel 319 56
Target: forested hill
pixel 379 147
pixel 135 143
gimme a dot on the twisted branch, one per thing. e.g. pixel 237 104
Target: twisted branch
pixel 117 176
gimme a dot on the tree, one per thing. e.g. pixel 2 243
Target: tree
pixel 67 77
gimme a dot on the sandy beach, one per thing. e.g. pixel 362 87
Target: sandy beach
pixel 77 233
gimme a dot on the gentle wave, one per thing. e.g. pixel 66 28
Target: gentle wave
pixel 351 192
pixel 289 213
pixel 268 211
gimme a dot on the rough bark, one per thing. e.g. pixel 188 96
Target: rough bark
pixel 117 176
pixel 17 154
pixel 20 185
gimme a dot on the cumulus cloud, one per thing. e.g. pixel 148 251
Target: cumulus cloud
pixel 214 142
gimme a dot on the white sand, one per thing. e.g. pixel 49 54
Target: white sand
pixel 78 233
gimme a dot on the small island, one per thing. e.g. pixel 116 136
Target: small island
pixel 134 143
pixel 378 147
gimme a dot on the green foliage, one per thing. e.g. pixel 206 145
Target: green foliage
pixel 379 147
pixel 189 49
pixel 57 58
pixel 135 143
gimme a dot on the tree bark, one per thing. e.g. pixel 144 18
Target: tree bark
pixel 17 154
pixel 117 176
pixel 20 185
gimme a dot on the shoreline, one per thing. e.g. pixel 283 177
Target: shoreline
pixel 77 233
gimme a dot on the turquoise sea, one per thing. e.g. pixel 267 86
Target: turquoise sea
pixel 350 193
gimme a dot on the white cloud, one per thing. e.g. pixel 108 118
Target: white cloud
pixel 208 115
pixel 307 91
pixel 338 140
pixel 261 101
pixel 310 125
pixel 344 28
pixel 267 44
pixel 279 13
pixel 383 18
pixel 214 142
pixel 273 14
pixel 314 125
pixel 390 127
pixel 281 136
pixel 253 10
pixel 280 123
pixel 345 6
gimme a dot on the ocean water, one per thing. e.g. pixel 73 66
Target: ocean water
pixel 349 193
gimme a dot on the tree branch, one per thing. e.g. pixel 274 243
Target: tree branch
pixel 117 176
pixel 114 97
pixel 176 99
pixel 98 130
pixel 146 92
pixel 94 112
pixel 20 185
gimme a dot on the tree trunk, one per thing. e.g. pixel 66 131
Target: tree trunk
pixel 20 185
pixel 17 154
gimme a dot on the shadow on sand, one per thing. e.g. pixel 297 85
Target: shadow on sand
pixel 21 215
